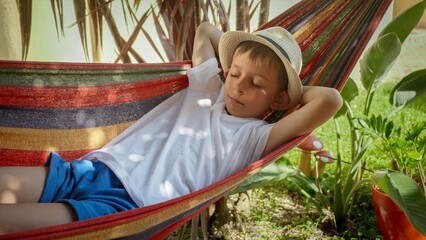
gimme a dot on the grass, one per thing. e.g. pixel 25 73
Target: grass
pixel 281 212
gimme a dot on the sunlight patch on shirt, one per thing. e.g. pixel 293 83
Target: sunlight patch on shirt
pixel 162 135
pixel 204 102
pixel 228 147
pixel 211 153
pixel 119 148
pixel 186 131
pixel 203 134
pixel 136 157
pixel 147 137
pixel 150 137
pixel 166 189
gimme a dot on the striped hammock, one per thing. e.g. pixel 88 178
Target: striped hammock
pixel 75 108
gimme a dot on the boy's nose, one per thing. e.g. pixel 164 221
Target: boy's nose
pixel 241 86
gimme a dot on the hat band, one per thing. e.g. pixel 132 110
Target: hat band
pixel 284 53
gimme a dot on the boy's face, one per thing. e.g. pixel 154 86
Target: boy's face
pixel 251 89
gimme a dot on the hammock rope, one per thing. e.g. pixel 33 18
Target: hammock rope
pixel 45 105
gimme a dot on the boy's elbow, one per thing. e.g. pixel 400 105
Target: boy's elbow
pixel 334 99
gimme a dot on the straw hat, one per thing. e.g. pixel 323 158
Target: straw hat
pixel 281 42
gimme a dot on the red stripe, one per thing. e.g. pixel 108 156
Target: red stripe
pixel 17 157
pixel 90 66
pixel 89 96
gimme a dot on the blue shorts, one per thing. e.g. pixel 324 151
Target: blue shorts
pixel 89 187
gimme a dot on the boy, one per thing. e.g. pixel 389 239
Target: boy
pixel 195 138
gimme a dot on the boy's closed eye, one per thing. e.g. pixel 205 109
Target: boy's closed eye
pixel 234 75
pixel 256 84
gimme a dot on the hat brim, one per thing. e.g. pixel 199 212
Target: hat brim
pixel 229 41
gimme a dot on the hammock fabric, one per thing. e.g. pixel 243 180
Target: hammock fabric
pixel 75 108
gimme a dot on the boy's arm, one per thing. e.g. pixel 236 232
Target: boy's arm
pixel 205 43
pixel 318 105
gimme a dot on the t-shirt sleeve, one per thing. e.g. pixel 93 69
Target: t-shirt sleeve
pixel 254 142
pixel 205 77
pixel 249 144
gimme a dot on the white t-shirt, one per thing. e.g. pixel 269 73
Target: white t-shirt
pixel 184 144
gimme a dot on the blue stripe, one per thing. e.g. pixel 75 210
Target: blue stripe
pixel 76 118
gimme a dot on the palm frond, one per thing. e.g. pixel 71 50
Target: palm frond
pixel 183 34
pixel 58 15
pixel 80 13
pixel 25 14
pixel 165 42
pixel 136 4
pixel 96 30
pixel 119 42
pixel 133 36
pixel 153 44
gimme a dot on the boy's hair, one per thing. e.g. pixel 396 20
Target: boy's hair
pixel 263 55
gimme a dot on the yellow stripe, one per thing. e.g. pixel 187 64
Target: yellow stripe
pixel 59 139
pixel 308 27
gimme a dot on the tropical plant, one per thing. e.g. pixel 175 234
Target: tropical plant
pixel 374 66
pixel 405 181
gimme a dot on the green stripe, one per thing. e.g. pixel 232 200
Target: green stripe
pixel 335 25
pixel 82 77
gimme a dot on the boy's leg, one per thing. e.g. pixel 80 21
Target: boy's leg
pixel 22 184
pixel 24 216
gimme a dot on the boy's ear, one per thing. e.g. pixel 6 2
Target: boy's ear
pixel 281 101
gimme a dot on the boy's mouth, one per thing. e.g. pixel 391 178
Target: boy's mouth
pixel 234 101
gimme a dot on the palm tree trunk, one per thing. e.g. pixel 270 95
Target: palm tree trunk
pixel 241 15
pixel 264 12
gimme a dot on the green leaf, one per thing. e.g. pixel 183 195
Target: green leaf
pixel 415 131
pixel 379 123
pixel 404 23
pixel 274 172
pixel 389 128
pixel 350 90
pixel 348 93
pixel 363 122
pixel 405 192
pixel 376 63
pixel 342 111
pixel 413 155
pixel 410 88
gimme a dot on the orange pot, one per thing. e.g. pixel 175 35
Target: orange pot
pixel 393 223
